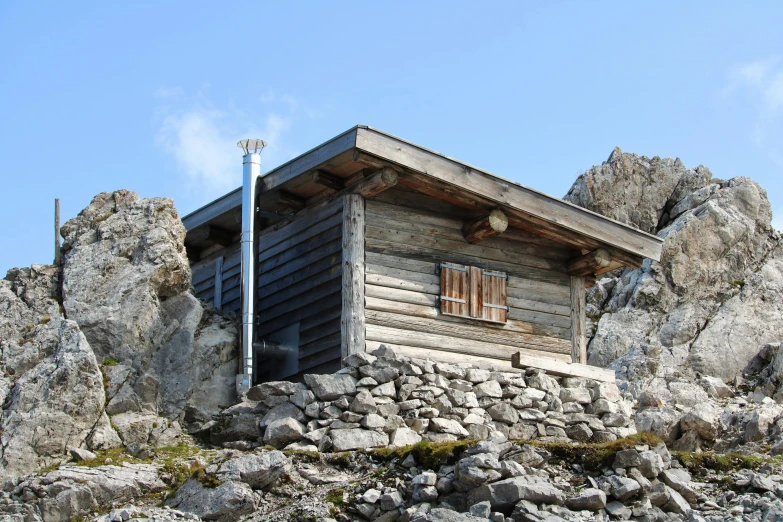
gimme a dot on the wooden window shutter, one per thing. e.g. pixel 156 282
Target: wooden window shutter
pixel 454 291
pixel 492 292
pixel 469 291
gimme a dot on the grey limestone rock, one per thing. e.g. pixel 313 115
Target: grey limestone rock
pixel 228 502
pixel 504 494
pixel 53 405
pixel 351 439
pixel 590 498
pixel 331 387
pixel 258 470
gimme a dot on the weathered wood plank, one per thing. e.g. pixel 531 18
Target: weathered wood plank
pixel 402 296
pixel 559 289
pixel 445 245
pixel 562 368
pixel 401 263
pixel 313 295
pixel 304 247
pixel 332 248
pixel 352 320
pixel 530 316
pixel 212 234
pixel 485 227
pixel 462 331
pixel 302 314
pixel 328 180
pixel 331 327
pixel 538 306
pixel 325 361
pixel 450 344
pixel 384 305
pixel 386 211
pixel 578 321
pixel 408 275
pixel 402 283
pixel 424 354
pixel 308 233
pixel 300 221
pixel 293 291
pixel 327 263
pixel 429 254
pixel 324 315
pixel 589 263
pixel 417 224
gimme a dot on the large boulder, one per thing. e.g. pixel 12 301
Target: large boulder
pixel 126 281
pixel 712 301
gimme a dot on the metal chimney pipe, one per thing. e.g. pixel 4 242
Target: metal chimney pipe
pixel 251 171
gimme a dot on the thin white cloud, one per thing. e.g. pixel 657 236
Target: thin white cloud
pixel 202 141
pixel 763 79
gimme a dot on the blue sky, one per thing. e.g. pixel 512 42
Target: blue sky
pixel 152 96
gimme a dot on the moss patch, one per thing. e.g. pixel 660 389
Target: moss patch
pixel 596 456
pixel 430 455
pixel 110 361
pixel 699 463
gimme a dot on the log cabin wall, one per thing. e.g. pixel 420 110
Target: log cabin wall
pixel 299 283
pixel 216 279
pixel 404 248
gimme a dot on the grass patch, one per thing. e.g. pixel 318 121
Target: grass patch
pixel 699 463
pixel 429 455
pixel 596 456
pixel 336 496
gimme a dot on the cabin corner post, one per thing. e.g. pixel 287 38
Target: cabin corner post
pixel 578 320
pixel 352 322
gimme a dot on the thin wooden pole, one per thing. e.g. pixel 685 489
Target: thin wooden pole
pixel 56 231
pixel 218 297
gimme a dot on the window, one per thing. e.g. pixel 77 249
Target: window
pixel 469 291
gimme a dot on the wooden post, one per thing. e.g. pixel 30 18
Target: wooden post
pixel 352 318
pixel 578 321
pixel 56 231
pixel 218 297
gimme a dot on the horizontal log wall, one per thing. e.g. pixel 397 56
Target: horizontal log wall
pixel 300 281
pixel 204 278
pixel 404 248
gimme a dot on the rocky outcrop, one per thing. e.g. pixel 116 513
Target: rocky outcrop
pixel 125 281
pixel 714 298
pixel 55 404
pixel 136 345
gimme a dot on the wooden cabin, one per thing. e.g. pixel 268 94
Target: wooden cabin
pixel 369 240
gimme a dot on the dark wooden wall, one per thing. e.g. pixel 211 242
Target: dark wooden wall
pixel 300 282
pixel 408 235
pixel 204 278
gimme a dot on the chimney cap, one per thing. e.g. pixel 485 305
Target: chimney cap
pixel 251 145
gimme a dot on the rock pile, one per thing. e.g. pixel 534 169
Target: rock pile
pixel 382 399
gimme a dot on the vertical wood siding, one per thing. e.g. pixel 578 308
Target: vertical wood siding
pixel 204 278
pixel 404 249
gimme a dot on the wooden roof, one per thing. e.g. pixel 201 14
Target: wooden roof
pixel 348 158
